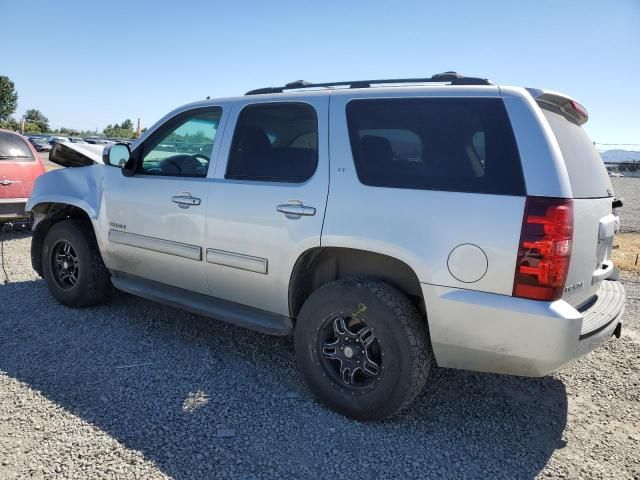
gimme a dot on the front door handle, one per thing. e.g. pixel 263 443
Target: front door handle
pixel 185 200
pixel 296 210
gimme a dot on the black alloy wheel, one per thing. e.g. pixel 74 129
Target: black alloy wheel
pixel 65 264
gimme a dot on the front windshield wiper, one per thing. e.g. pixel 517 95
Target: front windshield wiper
pixel 14 156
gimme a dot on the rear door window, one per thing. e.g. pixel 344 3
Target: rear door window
pixel 14 149
pixel 448 144
pixel 274 142
pixel 587 173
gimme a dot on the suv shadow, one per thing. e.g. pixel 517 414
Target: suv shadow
pixel 165 383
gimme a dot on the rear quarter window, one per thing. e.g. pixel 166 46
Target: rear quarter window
pixel 587 173
pixel 14 149
pixel 447 144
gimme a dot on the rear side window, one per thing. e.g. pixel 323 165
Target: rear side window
pixel 587 173
pixel 274 142
pixel 449 144
pixel 14 149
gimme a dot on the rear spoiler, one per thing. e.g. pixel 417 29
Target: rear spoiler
pixel 560 103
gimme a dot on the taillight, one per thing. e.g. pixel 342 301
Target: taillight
pixel 580 109
pixel 545 248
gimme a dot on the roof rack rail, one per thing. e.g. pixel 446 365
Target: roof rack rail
pixel 453 78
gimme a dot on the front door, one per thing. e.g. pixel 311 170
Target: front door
pixel 269 198
pixel 156 217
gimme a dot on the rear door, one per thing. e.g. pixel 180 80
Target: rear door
pixel 594 221
pixel 268 201
pixel 19 167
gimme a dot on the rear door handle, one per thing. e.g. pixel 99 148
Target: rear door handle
pixel 185 201
pixel 296 210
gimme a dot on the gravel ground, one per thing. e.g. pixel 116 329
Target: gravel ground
pixel 628 188
pixel 133 389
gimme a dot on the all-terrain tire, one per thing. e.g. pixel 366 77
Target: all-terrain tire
pixel 93 283
pixel 399 329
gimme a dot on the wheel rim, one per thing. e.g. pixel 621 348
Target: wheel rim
pixel 64 264
pixel 350 352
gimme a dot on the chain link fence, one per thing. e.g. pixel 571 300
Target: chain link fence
pixel 628 188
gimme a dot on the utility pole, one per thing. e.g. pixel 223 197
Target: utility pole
pixel 22 125
pixel 138 129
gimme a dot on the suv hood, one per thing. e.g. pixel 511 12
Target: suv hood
pixel 76 155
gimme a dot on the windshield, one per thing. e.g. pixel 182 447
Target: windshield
pixel 13 147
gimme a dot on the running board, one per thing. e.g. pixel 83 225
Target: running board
pixel 212 307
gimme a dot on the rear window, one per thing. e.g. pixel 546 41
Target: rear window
pixel 587 173
pixel 14 148
pixel 448 144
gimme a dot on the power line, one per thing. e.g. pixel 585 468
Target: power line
pixel 620 144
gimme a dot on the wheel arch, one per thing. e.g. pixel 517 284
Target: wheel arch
pixel 46 214
pixel 320 265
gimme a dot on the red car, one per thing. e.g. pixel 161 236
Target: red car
pixel 19 167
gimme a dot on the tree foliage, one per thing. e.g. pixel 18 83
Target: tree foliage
pixel 35 116
pixel 124 130
pixel 8 98
pixel 32 127
pixel 10 124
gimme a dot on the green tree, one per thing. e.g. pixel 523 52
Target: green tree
pixel 35 116
pixel 8 98
pixel 32 127
pixel 124 130
pixel 10 124
pixel 68 132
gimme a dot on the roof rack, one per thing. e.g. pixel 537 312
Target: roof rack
pixel 453 78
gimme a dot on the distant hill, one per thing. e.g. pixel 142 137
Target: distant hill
pixel 620 156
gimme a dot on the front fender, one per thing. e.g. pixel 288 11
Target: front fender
pixel 80 187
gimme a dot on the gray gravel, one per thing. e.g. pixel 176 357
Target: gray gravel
pixel 133 389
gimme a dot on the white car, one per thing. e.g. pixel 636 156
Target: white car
pixel 390 225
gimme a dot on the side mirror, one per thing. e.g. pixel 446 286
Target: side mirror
pixel 116 155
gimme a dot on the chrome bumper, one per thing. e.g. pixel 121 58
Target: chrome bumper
pixel 11 208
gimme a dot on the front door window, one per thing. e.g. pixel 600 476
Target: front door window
pixel 185 149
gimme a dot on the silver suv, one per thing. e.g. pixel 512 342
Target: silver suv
pixel 388 225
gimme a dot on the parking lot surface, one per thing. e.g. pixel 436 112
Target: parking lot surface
pixel 133 389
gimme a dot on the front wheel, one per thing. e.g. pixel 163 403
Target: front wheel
pixel 362 347
pixel 72 265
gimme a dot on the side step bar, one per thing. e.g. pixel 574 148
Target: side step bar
pixel 230 312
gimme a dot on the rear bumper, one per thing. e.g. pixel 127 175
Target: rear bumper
pixel 12 208
pixel 500 334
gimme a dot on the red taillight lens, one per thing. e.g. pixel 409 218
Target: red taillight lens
pixel 580 109
pixel 545 248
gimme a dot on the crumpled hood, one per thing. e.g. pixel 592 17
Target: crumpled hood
pixel 76 155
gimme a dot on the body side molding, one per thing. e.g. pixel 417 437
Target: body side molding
pixel 237 260
pixel 160 245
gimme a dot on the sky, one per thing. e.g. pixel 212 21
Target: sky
pixel 86 64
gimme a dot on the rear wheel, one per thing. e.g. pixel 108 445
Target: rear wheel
pixel 72 265
pixel 362 347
